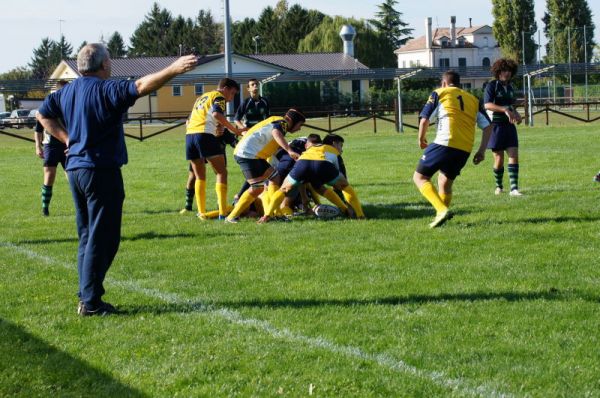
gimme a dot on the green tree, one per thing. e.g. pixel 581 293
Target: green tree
pixel 116 45
pixel 368 45
pixel 390 24
pixel 83 44
pixel 43 61
pixel 511 17
pixel 564 18
pixel 265 27
pixel 150 37
pixel 61 50
pixel 208 34
pixel 18 73
pixel 242 34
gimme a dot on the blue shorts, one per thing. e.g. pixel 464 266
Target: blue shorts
pixel 317 172
pixel 449 161
pixel 285 165
pixel 202 146
pixel 252 168
pixel 54 154
pixel 504 135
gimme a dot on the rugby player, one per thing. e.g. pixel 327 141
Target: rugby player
pixel 202 143
pixel 457 112
pixel 318 165
pixel 499 98
pixel 251 153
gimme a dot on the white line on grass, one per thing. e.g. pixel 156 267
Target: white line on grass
pixel 440 378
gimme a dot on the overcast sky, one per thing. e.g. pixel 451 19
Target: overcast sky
pixel 26 22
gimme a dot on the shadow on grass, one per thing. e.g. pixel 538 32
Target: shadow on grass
pixel 510 296
pixel 402 211
pixel 31 367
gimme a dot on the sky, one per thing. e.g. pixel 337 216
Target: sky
pixel 26 22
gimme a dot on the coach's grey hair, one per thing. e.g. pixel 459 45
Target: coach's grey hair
pixel 91 57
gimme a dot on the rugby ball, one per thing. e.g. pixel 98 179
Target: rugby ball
pixel 326 211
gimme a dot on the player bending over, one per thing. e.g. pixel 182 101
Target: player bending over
pixel 251 153
pixel 318 166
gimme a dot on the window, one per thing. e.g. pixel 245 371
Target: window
pixel 486 42
pixel 466 86
pixel 461 41
pixel 462 62
pixel 198 89
pixel 444 62
pixel 176 91
pixel 485 61
pixel 404 64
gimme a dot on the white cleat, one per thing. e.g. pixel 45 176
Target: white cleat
pixel 441 218
pixel 515 192
pixel 498 191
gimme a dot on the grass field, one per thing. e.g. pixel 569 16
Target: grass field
pixel 504 300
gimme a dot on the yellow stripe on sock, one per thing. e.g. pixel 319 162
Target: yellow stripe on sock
pixel 200 193
pixel 221 190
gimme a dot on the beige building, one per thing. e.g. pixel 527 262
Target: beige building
pixel 452 48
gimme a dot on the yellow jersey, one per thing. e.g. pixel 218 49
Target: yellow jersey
pixel 201 119
pixel 457 112
pixel 323 153
pixel 258 142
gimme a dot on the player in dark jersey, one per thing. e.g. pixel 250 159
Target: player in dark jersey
pixel 499 100
pixel 53 152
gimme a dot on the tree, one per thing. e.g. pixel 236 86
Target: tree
pixel 368 45
pixel 18 73
pixel 83 44
pixel 42 62
pixel 392 32
pixel 208 34
pixel 116 45
pixel 242 34
pixel 564 18
pixel 61 50
pixel 150 37
pixel 511 18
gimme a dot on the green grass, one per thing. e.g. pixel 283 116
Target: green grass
pixel 504 299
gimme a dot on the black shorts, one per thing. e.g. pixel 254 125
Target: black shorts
pixel 202 146
pixel 504 135
pixel 449 161
pixel 252 168
pixel 54 154
pixel 317 172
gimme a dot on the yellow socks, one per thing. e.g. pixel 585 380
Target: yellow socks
pixel 200 191
pixel 221 190
pixel 335 199
pixel 446 198
pixel 242 204
pixel 429 192
pixel 314 194
pixel 276 199
pixel 352 198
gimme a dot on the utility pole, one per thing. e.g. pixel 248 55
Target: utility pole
pixel 228 62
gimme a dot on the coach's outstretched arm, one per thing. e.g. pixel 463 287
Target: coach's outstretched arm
pixel 149 83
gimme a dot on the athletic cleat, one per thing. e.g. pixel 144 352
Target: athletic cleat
pixel 515 192
pixel 234 220
pixel 201 216
pixel 102 310
pixel 597 178
pixel 441 218
pixel 185 211
pixel 222 218
pixel 45 212
pixel 498 191
pixel 264 220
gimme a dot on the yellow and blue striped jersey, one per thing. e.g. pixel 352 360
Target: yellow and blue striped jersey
pixel 323 153
pixel 457 112
pixel 258 142
pixel 201 119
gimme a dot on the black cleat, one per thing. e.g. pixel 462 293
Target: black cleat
pixel 102 310
pixel 45 212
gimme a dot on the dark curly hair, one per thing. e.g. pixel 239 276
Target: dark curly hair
pixel 502 65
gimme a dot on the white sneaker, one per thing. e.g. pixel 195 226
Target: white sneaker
pixel 515 192
pixel 498 191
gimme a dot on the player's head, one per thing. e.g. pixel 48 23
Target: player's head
pixel 295 120
pixel 312 139
pixel 229 88
pixel 504 69
pixel 94 59
pixel 450 78
pixel 253 86
pixel 336 141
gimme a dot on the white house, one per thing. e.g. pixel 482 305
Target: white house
pixel 452 48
